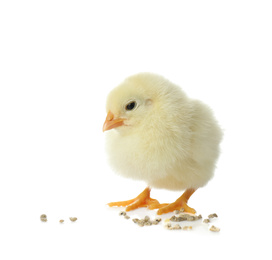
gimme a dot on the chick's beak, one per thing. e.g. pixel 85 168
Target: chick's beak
pixel 110 122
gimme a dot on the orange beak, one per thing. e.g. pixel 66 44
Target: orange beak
pixel 110 122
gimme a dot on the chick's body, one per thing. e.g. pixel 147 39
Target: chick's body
pixel 173 145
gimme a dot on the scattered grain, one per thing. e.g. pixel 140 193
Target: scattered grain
pixel 184 217
pixel 214 215
pixel 177 226
pixel 214 229
pixel 122 213
pixel 146 221
pixel 61 221
pixel 178 217
pixel 43 218
pixel 191 218
pixel 170 227
pixel 157 220
pixel 135 220
pixel 140 224
pixel 73 219
pixel 146 218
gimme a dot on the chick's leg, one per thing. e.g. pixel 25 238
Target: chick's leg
pixel 181 202
pixel 142 200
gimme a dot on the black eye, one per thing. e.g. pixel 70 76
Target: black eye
pixel 131 105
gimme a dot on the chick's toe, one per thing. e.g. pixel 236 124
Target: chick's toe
pixel 142 200
pixel 181 202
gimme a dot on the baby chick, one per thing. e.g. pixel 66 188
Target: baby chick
pixel 160 136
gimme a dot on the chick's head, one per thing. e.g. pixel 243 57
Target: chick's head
pixel 125 109
pixel 133 103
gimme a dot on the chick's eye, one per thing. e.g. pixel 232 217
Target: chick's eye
pixel 131 105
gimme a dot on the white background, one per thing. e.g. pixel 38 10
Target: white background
pixel 59 60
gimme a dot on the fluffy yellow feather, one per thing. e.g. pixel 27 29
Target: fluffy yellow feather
pixel 161 136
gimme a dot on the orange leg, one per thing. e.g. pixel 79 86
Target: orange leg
pixel 142 200
pixel 181 202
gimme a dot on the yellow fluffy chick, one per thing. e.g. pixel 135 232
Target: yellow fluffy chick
pixel 161 136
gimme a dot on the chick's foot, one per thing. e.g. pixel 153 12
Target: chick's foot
pixel 181 202
pixel 174 206
pixel 142 200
